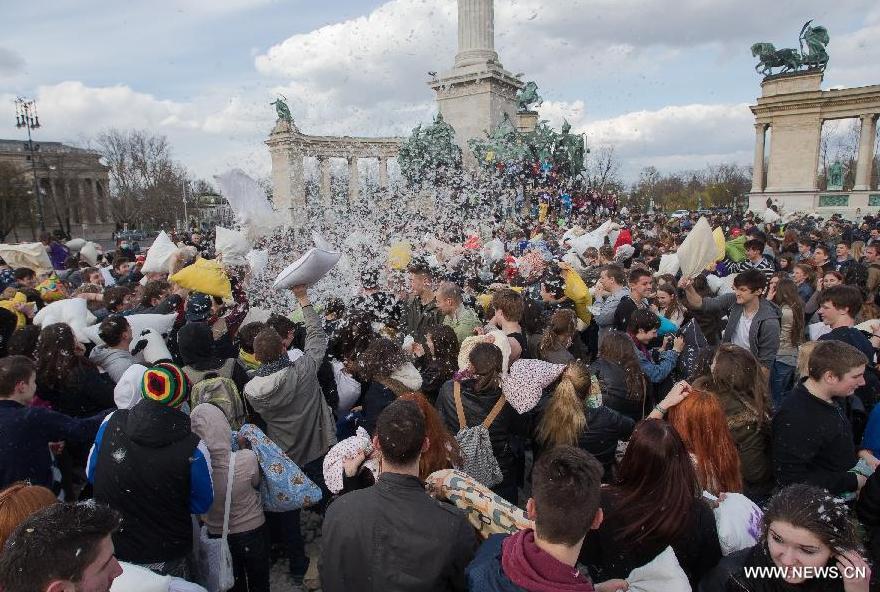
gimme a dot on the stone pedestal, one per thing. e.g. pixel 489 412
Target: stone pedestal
pixel 526 121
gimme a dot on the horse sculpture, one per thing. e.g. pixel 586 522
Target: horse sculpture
pixel 528 97
pixel 787 59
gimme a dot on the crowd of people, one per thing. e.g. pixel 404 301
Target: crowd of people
pixel 612 423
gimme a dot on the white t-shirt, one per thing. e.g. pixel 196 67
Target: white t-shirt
pixel 740 335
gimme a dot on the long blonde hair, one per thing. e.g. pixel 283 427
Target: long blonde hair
pixel 565 418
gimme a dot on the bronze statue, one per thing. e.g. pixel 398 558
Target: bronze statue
pixel 528 98
pixel 791 60
pixel 282 109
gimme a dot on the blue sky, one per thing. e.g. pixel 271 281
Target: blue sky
pixel 666 82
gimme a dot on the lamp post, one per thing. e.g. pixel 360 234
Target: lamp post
pixel 26 117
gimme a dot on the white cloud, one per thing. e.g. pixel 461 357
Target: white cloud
pixel 11 62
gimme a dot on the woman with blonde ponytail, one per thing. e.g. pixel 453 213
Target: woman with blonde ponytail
pixel 575 416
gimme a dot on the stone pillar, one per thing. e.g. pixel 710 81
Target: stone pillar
pixel 354 181
pixel 326 180
pixel 296 214
pixel 476 33
pixel 92 200
pixel 383 172
pixel 758 168
pixel 867 137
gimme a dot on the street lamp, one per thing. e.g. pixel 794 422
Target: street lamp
pixel 26 117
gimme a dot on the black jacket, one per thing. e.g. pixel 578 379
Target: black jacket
pixel 374 400
pixel 615 394
pixel 868 511
pixel 505 431
pixel 729 576
pixel 142 468
pixel 86 393
pixel 607 557
pixel 604 428
pixel 813 443
pixel 393 536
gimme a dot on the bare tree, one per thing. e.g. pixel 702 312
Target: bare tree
pixel 603 170
pixel 146 184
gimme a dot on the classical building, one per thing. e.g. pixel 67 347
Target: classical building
pixel 792 109
pixel 73 185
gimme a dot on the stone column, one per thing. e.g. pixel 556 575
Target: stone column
pixel 354 181
pixel 93 198
pixel 326 180
pixel 758 168
pixel 383 172
pixel 476 33
pixel 867 137
pixel 296 215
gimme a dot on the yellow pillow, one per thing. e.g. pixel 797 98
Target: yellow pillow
pixel 720 246
pixel 12 306
pixel 399 255
pixel 205 276
pixel 577 292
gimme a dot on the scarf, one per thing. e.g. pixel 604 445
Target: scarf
pixel 527 566
pixel 276 366
pixel 250 360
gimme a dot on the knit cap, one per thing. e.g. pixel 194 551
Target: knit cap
pixel 198 307
pixel 166 384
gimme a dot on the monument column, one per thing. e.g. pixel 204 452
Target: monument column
pixel 326 187
pixel 383 172
pixel 354 182
pixel 758 167
pixel 476 33
pixel 867 137
pixel 297 205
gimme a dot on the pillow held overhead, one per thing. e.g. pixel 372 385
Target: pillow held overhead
pixel 698 250
pixel 205 276
pixel 233 246
pixel 30 255
pixel 159 254
pixel 307 270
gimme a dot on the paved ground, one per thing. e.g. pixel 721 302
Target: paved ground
pixel 280 580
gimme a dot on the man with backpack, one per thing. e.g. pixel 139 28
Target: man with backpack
pixel 393 536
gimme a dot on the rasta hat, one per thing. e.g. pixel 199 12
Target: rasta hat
pixel 166 384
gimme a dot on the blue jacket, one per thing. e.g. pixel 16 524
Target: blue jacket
pixel 26 433
pixel 484 574
pixel 656 373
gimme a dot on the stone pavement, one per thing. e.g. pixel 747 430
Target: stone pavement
pixel 279 580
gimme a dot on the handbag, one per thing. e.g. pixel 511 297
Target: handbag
pixel 215 559
pixel 284 486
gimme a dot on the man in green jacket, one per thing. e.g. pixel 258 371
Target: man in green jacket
pixel 456 315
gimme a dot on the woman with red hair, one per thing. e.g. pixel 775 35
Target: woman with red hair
pixel 700 421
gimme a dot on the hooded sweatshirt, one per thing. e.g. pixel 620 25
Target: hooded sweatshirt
pixel 246 509
pixel 112 361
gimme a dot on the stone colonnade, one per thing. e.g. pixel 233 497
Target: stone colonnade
pixel 289 147
pixel 794 107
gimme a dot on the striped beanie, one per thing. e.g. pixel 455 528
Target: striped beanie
pixel 166 384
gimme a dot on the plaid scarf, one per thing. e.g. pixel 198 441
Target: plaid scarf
pixel 276 366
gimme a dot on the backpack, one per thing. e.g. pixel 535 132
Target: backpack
pixel 223 393
pixel 478 458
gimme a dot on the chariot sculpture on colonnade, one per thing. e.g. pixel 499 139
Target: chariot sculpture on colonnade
pixel 811 56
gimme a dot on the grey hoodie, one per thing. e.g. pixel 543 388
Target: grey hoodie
pixel 112 361
pixel 765 329
pixel 607 308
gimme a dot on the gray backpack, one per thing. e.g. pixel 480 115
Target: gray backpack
pixel 476 448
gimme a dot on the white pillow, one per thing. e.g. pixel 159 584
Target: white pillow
pixel 89 252
pixel 159 254
pixel 698 251
pixel 76 244
pixel 72 311
pixel 307 270
pixel 668 264
pixel 738 520
pixel 661 574
pixel 258 261
pixel 160 323
pixel 322 243
pixel 30 255
pixel 233 246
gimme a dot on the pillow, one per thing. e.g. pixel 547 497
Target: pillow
pixel 501 342
pixel 527 380
pixel 89 253
pixel 159 254
pixel 72 311
pixel 127 391
pixel 205 276
pixel 232 247
pixel 399 255
pixel 698 249
pixel 258 260
pixel 51 289
pixel 577 292
pixel 349 447
pixel 30 255
pixel 76 244
pixel 307 270
pixel 668 264
pixel 720 244
pixel 158 322
pixel 135 578
pixel 321 243
pixel 661 574
pixel 738 520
